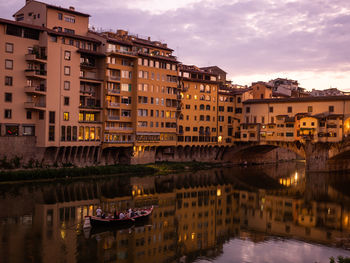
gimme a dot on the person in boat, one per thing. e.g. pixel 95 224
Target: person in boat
pixel 121 215
pixel 99 212
pixel 115 214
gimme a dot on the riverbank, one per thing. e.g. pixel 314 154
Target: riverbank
pixel 98 171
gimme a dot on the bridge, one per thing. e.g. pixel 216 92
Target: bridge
pixel 319 156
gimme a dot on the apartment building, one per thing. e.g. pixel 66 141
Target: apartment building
pixel 319 119
pixel 198 118
pixel 52 80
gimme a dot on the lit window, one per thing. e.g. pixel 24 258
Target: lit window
pixel 81 134
pixel 67 55
pixel 66 116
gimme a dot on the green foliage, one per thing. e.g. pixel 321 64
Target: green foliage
pixel 13 163
pixel 36 174
pixel 340 259
pixel 69 171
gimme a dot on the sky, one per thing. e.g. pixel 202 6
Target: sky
pixel 252 40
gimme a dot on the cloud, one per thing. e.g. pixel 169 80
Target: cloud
pixel 241 36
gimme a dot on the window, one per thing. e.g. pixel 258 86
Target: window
pixel 12 130
pixel 331 108
pixel 9 47
pixel 72 32
pixel 28 130
pixel 51 133
pixel 63 133
pixel 41 115
pixel 67 85
pixel 67 55
pixel 290 109
pixel 8 64
pixel 29 115
pixel 8 81
pixel 53 38
pixel 70 19
pixel 60 16
pixel 52 117
pixel 309 109
pixel 247 110
pixel 66 101
pixel 67 70
pixel 7 114
pixel 271 109
pixel 8 97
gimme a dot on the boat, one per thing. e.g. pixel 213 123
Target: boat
pixel 140 216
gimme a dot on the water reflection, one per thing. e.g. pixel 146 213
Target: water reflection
pixel 197 215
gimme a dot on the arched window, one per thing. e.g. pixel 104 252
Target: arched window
pixel 202 97
pixel 207 107
pixel 207 88
pixel 201 107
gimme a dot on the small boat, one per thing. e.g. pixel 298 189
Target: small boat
pixel 140 216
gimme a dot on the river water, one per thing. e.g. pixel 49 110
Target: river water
pixel 270 213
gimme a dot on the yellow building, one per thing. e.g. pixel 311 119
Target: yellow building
pixel 197 124
pixel 320 119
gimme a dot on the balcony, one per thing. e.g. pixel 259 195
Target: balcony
pixel 117 51
pixel 35 73
pixel 37 90
pixel 36 57
pixel 114 91
pixel 119 128
pixel 87 65
pixel 35 105
pixel 114 78
pixel 113 118
pixel 113 104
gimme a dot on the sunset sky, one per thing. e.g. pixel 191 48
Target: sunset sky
pixel 305 40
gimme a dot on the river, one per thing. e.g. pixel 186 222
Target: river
pixel 268 213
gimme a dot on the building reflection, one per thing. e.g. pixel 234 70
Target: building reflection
pixel 195 214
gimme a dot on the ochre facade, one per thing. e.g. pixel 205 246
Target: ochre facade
pixel 105 97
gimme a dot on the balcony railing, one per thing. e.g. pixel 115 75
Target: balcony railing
pixel 87 65
pixel 35 72
pixel 35 89
pixel 119 128
pixel 113 104
pixel 113 118
pixel 34 105
pixel 130 53
pixel 35 56
pixel 115 78
pixel 114 91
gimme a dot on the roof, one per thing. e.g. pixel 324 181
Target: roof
pixel 67 10
pixel 301 99
pixel 21 24
pixel 54 32
pixel 215 68
pixel 49 31
pixel 195 69
pixel 151 43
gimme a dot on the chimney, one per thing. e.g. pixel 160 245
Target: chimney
pixel 149 38
pixel 72 8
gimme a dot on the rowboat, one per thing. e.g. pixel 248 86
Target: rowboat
pixel 140 216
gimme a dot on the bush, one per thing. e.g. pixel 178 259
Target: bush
pixel 340 260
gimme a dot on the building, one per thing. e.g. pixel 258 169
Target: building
pixel 320 119
pixel 53 82
pixel 198 119
pixel 328 92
